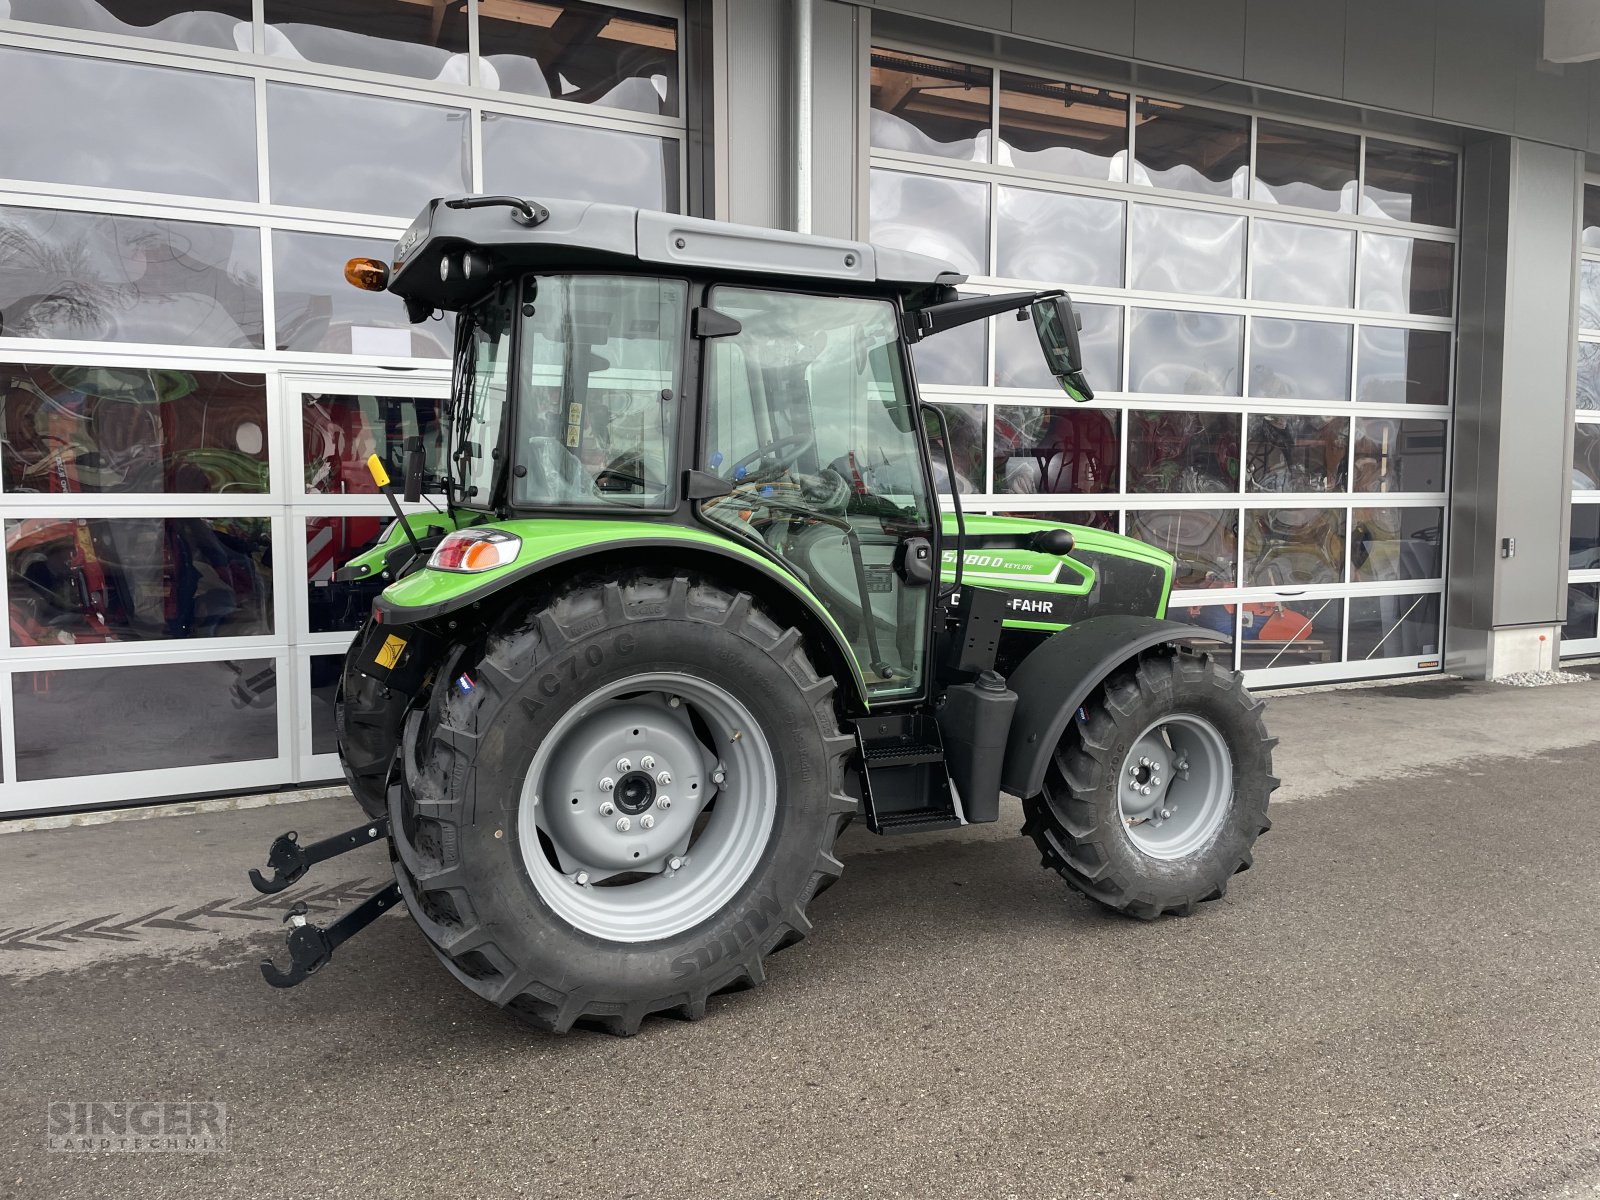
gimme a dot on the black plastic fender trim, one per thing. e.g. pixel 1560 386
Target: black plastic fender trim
pixel 1054 680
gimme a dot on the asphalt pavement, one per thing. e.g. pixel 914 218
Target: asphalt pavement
pixel 1401 999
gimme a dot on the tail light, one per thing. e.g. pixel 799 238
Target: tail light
pixel 471 550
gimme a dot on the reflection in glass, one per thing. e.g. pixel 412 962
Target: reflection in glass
pixel 1183 451
pixel 424 41
pixel 1589 295
pixel 144 718
pixel 1284 547
pixel 1299 360
pixel 1589 376
pixel 1055 450
pixel 581 52
pixel 1310 168
pixel 1583 607
pixel 1204 541
pixel 1584 546
pixel 220 23
pixel 926 105
pixel 1191 149
pixel 1297 454
pixel 965 427
pixel 1403 366
pixel 324 681
pixel 1185 353
pixel 1396 543
pixel 330 543
pixel 92 429
pixel 1063 128
pixel 89 277
pixel 1181 250
pixel 523 157
pixel 1219 618
pixel 168 131
pixel 1301 264
pixel 1410 183
pixel 1294 633
pixel 1394 626
pixel 1091 520
pixel 1399 456
pixel 958 357
pixel 319 311
pixel 343 431
pixel 1056 238
pixel 135 579
pixel 337 150
pixel 1591 217
pixel 1018 361
pixel 1403 275
pixel 1586 457
pixel 947 218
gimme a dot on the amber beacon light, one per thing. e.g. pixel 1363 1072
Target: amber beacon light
pixel 368 274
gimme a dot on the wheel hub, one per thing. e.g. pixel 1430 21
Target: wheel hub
pixel 635 792
pixel 1177 786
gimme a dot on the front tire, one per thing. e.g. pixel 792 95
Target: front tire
pixel 1158 789
pixel 550 878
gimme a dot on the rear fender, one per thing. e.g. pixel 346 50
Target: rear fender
pixel 1059 674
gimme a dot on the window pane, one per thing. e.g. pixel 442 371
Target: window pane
pixel 1301 264
pixel 133 430
pixel 168 131
pixel 946 218
pixel 543 158
pixel 1297 454
pixel 425 41
pixel 330 543
pixel 1219 618
pixel 1055 450
pixel 581 52
pixel 1299 360
pixel 1063 128
pixel 1586 458
pixel 1185 353
pixel 1394 627
pixel 1097 519
pixel 965 427
pixel 1589 295
pixel 1591 218
pixel 1584 545
pixel 84 276
pixel 343 431
pixel 136 579
pixel 1180 250
pixel 319 311
pixel 1410 183
pixel 1058 239
pixel 928 105
pixel 1589 376
pixel 1406 276
pixel 1583 608
pixel 1311 168
pixel 1191 149
pixel 958 357
pixel 1204 541
pixel 1396 543
pixel 1290 634
pixel 1183 451
pixel 1403 366
pixel 144 718
pixel 1399 456
pixel 1018 361
pixel 221 23
pixel 324 681
pixel 337 150
pixel 1284 547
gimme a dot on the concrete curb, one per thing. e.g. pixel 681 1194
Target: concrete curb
pixel 182 808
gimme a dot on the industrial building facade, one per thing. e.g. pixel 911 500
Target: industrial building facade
pixel 1338 267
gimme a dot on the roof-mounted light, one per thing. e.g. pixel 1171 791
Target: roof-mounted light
pixel 368 274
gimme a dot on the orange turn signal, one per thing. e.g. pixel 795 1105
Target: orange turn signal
pixel 368 274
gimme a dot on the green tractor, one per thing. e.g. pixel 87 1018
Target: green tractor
pixel 695 604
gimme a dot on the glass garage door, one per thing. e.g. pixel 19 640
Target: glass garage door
pixel 1268 314
pixel 1581 634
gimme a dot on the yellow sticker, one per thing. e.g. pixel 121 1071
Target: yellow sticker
pixel 389 652
pixel 379 475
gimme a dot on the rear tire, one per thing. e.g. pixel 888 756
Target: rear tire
pixel 1158 789
pixel 504 808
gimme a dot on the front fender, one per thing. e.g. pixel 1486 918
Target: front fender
pixel 1059 674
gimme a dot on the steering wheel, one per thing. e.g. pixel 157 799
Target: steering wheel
pixel 785 453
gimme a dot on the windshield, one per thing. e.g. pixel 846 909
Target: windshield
pixel 598 391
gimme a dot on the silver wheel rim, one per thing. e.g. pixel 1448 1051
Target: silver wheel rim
pixel 1175 786
pixel 603 850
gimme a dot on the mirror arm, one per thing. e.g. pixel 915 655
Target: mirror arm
pixel 936 318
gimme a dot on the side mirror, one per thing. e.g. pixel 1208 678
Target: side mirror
pixel 416 459
pixel 1057 325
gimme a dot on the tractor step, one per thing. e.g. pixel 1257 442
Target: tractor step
pixel 916 820
pixel 906 783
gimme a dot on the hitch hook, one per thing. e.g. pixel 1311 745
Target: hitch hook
pixel 288 860
pixel 311 946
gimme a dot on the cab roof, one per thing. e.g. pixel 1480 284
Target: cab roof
pixel 514 235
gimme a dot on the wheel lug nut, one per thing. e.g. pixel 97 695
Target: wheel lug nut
pixel 1165 813
pixel 664 778
pixel 674 702
pixel 675 863
pixel 606 809
pixel 607 784
pixel 647 822
pixel 663 802
pixel 581 878
pixel 624 766
pixel 1145 790
pixel 719 777
pixel 647 763
pixel 623 824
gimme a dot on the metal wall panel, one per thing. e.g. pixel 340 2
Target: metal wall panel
pixel 760 97
pixel 1552 98
pixel 1476 62
pixel 1389 50
pixel 836 80
pixel 1295 46
pixel 1202 35
pixel 1091 24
